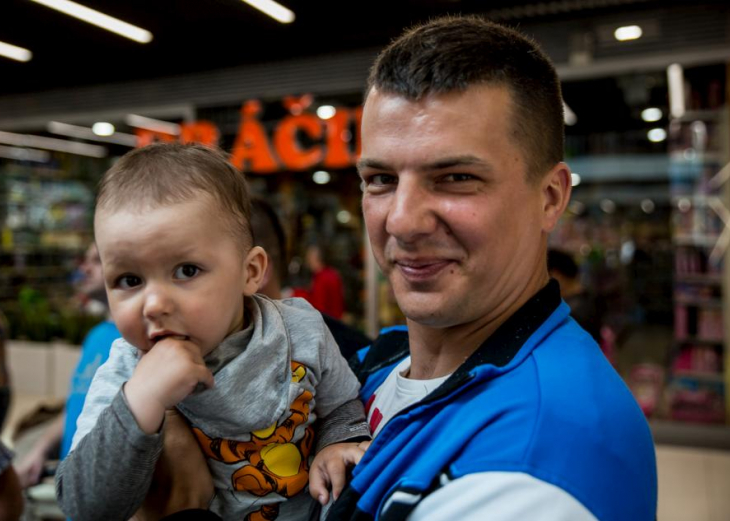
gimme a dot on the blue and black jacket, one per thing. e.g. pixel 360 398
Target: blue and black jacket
pixel 537 397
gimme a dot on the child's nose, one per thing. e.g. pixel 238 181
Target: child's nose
pixel 157 302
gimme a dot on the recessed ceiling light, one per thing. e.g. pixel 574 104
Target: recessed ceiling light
pixel 608 206
pixel 648 206
pixel 651 114
pixel 64 129
pixel 321 177
pixel 628 32
pixel 102 128
pixel 344 216
pixel 326 112
pixel 657 135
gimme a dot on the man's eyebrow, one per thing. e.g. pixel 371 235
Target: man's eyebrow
pixel 439 164
pixel 370 163
pixel 450 162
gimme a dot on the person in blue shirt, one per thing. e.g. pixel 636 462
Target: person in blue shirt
pixel 94 352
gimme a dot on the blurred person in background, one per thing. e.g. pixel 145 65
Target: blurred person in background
pixel 583 305
pixel 326 292
pixel 4 373
pixel 56 439
pixel 269 234
pixel 11 498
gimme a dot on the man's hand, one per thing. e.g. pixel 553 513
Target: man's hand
pixel 329 469
pixel 182 479
pixel 165 375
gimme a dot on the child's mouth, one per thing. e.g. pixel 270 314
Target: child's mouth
pixel 157 338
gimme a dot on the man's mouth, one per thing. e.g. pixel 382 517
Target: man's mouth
pixel 421 269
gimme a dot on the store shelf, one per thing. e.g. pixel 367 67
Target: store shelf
pixel 698 340
pixel 699 278
pixel 700 115
pixel 699 302
pixel 690 434
pixel 700 240
pixel 702 376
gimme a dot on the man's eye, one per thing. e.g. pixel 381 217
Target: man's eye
pixel 186 271
pixel 378 181
pixel 128 281
pixel 459 177
pixel 382 179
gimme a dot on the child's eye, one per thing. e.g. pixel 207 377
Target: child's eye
pixel 186 271
pixel 128 281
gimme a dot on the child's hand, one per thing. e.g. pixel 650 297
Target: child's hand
pixel 165 375
pixel 329 469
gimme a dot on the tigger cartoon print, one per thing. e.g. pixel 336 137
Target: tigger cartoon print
pixel 274 463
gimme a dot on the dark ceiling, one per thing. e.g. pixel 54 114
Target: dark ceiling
pixel 199 35
pixel 192 35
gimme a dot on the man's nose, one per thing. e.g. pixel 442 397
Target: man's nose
pixel 412 211
pixel 157 301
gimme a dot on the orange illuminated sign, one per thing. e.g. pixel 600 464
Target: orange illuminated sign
pixel 330 142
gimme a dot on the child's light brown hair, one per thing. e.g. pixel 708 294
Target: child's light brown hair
pixel 169 173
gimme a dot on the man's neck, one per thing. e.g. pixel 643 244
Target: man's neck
pixel 437 352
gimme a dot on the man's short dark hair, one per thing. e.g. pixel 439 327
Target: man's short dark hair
pixel 451 54
pixel 269 234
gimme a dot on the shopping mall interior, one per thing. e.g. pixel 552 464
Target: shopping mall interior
pixel 646 87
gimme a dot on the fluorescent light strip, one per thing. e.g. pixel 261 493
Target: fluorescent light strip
pixel 64 129
pixel 675 80
pixel 15 53
pixel 156 125
pixel 49 143
pixel 273 9
pixel 25 154
pixel 98 19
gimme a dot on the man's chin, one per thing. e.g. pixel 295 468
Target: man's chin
pixel 430 314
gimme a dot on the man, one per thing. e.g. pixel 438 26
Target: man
pixel 94 352
pixel 269 234
pixel 494 404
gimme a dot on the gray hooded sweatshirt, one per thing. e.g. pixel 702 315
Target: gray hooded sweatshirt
pixel 272 381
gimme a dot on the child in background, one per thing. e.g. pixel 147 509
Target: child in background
pixel 251 375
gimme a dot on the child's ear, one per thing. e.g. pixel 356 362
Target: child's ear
pixel 254 269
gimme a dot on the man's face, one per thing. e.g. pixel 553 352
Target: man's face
pixel 93 282
pixel 172 270
pixel 453 223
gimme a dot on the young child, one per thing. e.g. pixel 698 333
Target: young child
pixel 251 375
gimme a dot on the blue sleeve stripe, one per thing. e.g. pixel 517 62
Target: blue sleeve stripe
pixel 362 353
pixel 393 328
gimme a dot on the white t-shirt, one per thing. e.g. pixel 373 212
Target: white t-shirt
pixel 396 393
pixel 497 496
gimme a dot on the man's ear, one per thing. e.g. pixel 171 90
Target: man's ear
pixel 254 269
pixel 555 187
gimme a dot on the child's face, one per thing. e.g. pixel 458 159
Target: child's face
pixel 175 270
